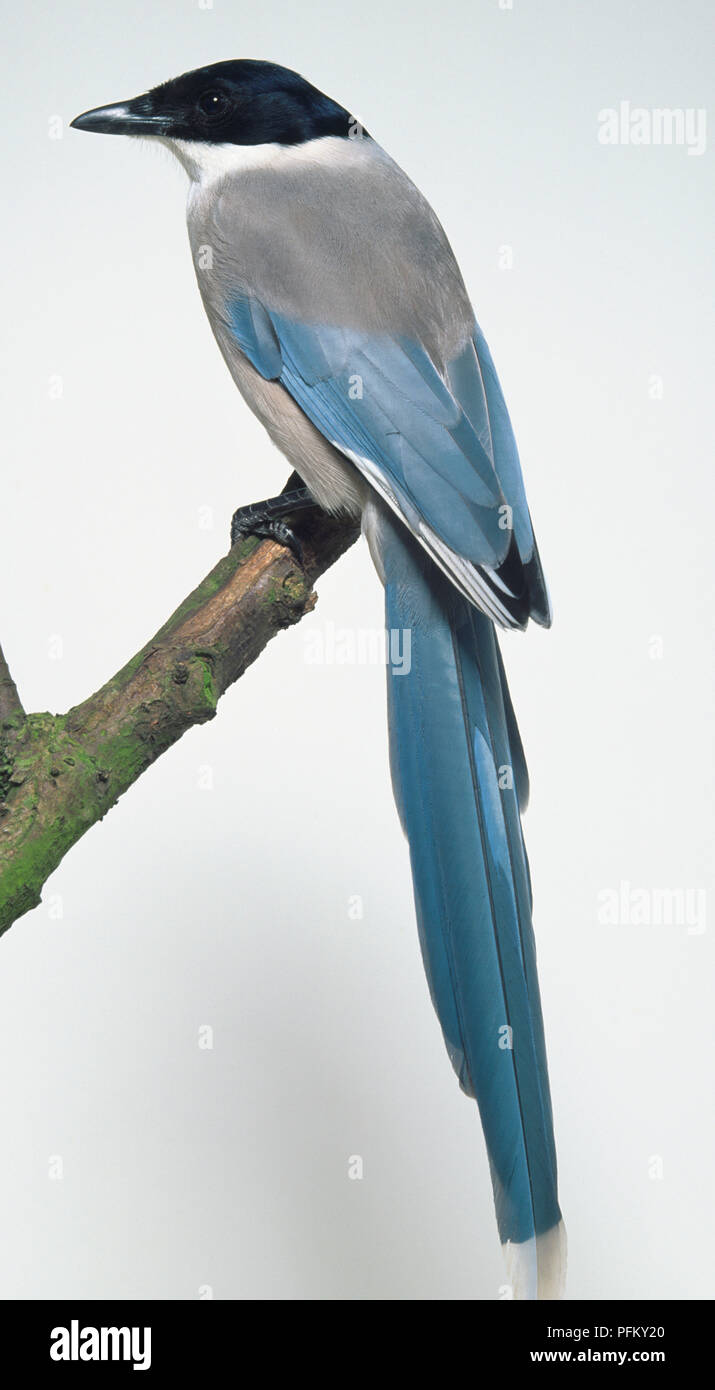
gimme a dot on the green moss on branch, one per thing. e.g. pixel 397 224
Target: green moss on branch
pixel 60 774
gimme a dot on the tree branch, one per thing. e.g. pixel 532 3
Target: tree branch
pixel 9 699
pixel 59 774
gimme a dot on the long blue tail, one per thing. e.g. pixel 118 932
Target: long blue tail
pixel 460 782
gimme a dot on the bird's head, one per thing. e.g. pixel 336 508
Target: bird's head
pixel 240 102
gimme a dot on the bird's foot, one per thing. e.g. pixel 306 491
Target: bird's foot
pixel 269 519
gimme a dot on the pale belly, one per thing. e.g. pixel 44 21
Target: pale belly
pixel 333 480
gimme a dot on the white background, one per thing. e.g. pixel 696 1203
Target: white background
pixel 229 906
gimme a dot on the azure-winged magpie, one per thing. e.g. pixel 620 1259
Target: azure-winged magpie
pixel 342 315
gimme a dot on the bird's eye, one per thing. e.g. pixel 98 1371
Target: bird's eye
pixel 214 106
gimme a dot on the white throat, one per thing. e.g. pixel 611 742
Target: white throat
pixel 206 164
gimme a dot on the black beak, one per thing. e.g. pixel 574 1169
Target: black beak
pixel 126 118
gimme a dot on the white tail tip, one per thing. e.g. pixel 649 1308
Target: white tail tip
pixel 537 1267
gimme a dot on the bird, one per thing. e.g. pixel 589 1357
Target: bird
pixel 340 310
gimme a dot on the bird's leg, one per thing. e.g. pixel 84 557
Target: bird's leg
pixel 268 519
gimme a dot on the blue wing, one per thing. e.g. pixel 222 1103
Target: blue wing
pixel 437 447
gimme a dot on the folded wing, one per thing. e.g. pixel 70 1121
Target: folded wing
pixel 433 440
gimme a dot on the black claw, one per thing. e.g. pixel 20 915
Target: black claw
pixel 267 519
pixel 268 528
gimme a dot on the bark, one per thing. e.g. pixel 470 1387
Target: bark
pixel 60 773
pixel 9 698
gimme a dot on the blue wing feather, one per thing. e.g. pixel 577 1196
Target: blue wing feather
pixel 437 446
